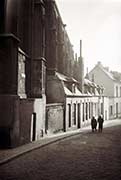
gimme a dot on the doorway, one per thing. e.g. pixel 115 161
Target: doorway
pixel 79 119
pixel 116 110
pixel 33 127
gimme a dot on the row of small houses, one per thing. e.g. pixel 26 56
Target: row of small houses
pixel 75 109
pixel 102 96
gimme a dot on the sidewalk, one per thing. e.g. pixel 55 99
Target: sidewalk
pixel 9 154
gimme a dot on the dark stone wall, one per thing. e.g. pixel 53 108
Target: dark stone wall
pixel 59 50
pixel 2 16
pixel 9 64
pixel 11 17
pixel 22 26
pixel 9 121
pixel 51 35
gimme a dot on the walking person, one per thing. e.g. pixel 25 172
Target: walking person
pixel 100 123
pixel 93 124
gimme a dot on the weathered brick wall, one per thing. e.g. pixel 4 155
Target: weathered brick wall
pixel 54 118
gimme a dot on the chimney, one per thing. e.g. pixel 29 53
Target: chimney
pixel 107 68
pixel 99 63
pixel 76 57
pixel 81 66
pixel 80 48
pixel 87 74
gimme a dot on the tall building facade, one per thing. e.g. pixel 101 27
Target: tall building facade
pixel 22 71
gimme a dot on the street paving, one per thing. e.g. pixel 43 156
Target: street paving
pixel 85 156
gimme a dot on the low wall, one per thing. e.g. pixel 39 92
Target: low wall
pixel 28 108
pixel 21 120
pixel 54 117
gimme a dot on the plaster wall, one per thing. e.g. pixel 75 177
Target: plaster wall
pixel 101 78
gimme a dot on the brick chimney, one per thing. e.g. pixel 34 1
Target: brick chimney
pixel 81 66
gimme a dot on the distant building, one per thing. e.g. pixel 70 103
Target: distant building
pixel 112 87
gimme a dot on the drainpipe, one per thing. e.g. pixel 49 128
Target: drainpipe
pixel 64 114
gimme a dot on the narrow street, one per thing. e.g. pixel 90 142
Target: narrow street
pixel 86 156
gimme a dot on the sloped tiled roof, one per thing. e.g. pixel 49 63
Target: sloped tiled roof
pixel 65 78
pixel 90 83
pixel 107 72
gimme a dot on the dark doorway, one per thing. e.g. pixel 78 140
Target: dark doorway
pixel 5 137
pixel 83 112
pixel 116 110
pixel 79 123
pixel 33 127
pixel 69 115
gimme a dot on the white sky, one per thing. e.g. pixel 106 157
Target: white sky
pixel 98 24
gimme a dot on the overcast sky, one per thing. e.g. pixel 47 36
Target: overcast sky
pixel 98 24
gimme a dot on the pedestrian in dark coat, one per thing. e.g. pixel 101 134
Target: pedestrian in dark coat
pixel 100 123
pixel 93 124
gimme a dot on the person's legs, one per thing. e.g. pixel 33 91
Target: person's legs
pixel 101 127
pixel 92 129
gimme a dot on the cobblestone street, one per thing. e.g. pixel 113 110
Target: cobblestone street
pixel 86 156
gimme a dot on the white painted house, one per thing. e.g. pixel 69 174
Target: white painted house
pixel 112 88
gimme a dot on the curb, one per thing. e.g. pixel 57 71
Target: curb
pixel 36 145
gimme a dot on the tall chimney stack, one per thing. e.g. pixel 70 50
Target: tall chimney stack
pixel 81 65
pixel 80 48
pixel 76 57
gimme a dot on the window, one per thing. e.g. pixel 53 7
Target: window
pixel 69 115
pixel 89 110
pixel 116 91
pixel 21 74
pixel 79 106
pixel 74 114
pixel 116 109
pixel 111 110
pixel 83 111
pixel 101 108
pixel 86 111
